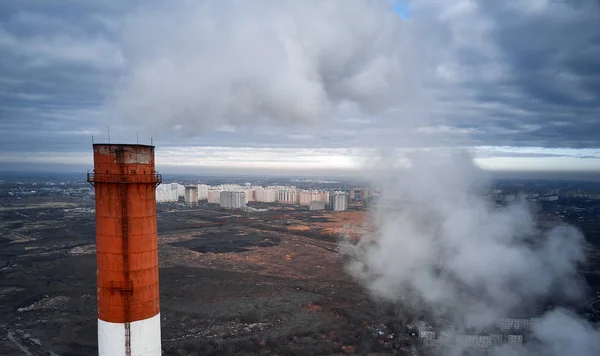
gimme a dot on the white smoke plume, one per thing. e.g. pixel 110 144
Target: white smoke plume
pixel 195 65
pixel 443 248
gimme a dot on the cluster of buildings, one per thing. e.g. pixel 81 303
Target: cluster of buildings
pixel 554 194
pixel 232 199
pixel 360 193
pixel 570 205
pixel 233 196
pixel 506 331
pixel 338 201
pixel 45 188
pixel 169 192
pixel 191 195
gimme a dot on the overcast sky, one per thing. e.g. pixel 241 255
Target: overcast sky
pixel 302 84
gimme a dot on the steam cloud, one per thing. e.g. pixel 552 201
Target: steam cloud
pixel 203 64
pixel 441 247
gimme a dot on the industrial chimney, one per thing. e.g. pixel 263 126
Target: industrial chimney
pixel 126 250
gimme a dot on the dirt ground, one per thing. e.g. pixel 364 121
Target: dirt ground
pixel 270 283
pixel 230 284
pixel 345 223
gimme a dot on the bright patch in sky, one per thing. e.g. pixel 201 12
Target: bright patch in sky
pixel 334 159
pixel 401 8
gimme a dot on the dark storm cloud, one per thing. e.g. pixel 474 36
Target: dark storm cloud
pixel 554 46
pixel 58 61
pixel 545 56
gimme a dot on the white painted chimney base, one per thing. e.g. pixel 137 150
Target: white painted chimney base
pixel 145 338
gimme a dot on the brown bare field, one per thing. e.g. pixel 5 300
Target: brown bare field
pixel 345 223
pixel 293 256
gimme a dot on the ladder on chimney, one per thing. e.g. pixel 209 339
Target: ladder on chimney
pixel 128 290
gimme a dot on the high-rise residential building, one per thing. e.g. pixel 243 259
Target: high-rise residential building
pixel 169 192
pixel 323 196
pixel 266 195
pixel 366 193
pixel 191 195
pixel 233 199
pixel 250 195
pixel 317 205
pixel 177 190
pixel 478 341
pixel 203 191
pixel 213 195
pixel 360 193
pixel 163 193
pixel 338 201
pixel 515 339
pixel 516 323
pixel 288 196
pixel 306 196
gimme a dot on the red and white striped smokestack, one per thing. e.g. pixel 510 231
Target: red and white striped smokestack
pixel 126 250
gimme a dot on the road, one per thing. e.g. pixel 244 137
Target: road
pixel 33 346
pixel 20 346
